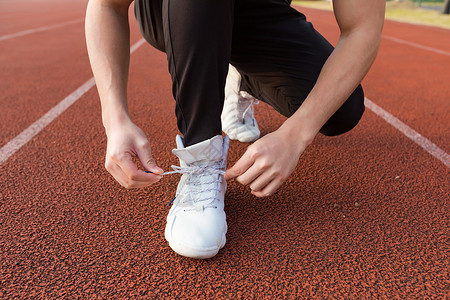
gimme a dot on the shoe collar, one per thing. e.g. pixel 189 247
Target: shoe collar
pixel 212 150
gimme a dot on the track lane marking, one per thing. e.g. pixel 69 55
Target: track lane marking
pixel 25 136
pixel 410 133
pixel 39 29
pixel 400 41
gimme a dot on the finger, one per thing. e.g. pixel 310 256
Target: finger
pixel 250 175
pixel 133 173
pixel 144 154
pixel 240 166
pixel 118 176
pixel 124 181
pixel 271 188
pixel 117 173
pixel 261 181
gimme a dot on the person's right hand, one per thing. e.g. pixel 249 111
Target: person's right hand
pixel 125 142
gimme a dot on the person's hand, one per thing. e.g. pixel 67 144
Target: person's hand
pixel 126 142
pixel 268 162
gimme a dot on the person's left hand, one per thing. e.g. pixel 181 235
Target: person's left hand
pixel 268 162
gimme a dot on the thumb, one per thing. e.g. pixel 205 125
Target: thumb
pixel 146 158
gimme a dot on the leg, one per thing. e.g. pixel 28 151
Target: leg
pixel 197 40
pixel 280 55
pixel 196 36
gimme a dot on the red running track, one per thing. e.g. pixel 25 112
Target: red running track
pixel 365 215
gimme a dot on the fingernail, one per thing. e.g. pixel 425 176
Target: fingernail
pixel 157 170
pixel 154 173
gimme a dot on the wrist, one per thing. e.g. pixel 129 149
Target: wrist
pixel 114 116
pixel 299 130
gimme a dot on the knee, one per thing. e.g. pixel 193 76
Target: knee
pixel 347 116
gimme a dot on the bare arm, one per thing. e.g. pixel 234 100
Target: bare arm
pixel 361 23
pixel 269 161
pixel 108 42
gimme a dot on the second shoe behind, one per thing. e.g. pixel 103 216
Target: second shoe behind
pixel 238 120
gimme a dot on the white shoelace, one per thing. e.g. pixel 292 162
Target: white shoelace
pixel 191 170
pixel 250 108
pixel 194 170
pixel 197 170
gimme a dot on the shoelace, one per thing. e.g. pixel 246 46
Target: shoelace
pixel 194 170
pixel 253 101
pixel 217 169
pixel 191 170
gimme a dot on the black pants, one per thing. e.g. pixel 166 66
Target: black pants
pixel 277 52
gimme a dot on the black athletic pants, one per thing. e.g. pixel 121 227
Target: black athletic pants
pixel 278 53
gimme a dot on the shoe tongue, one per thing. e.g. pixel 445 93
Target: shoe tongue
pixel 203 152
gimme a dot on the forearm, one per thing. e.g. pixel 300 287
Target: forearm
pixel 108 43
pixel 341 74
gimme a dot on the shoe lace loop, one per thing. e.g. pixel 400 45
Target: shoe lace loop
pixel 250 108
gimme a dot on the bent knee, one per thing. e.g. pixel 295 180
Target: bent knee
pixel 347 116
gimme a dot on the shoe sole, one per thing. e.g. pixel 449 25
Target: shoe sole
pixel 187 251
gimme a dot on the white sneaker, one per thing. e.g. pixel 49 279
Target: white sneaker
pixel 238 120
pixel 196 223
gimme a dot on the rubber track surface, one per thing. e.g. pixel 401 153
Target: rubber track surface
pixel 364 216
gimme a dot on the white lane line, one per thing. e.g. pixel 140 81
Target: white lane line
pixel 39 29
pixel 136 45
pixel 25 136
pixel 410 133
pixel 400 41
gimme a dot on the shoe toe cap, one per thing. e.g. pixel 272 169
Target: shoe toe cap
pixel 197 236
